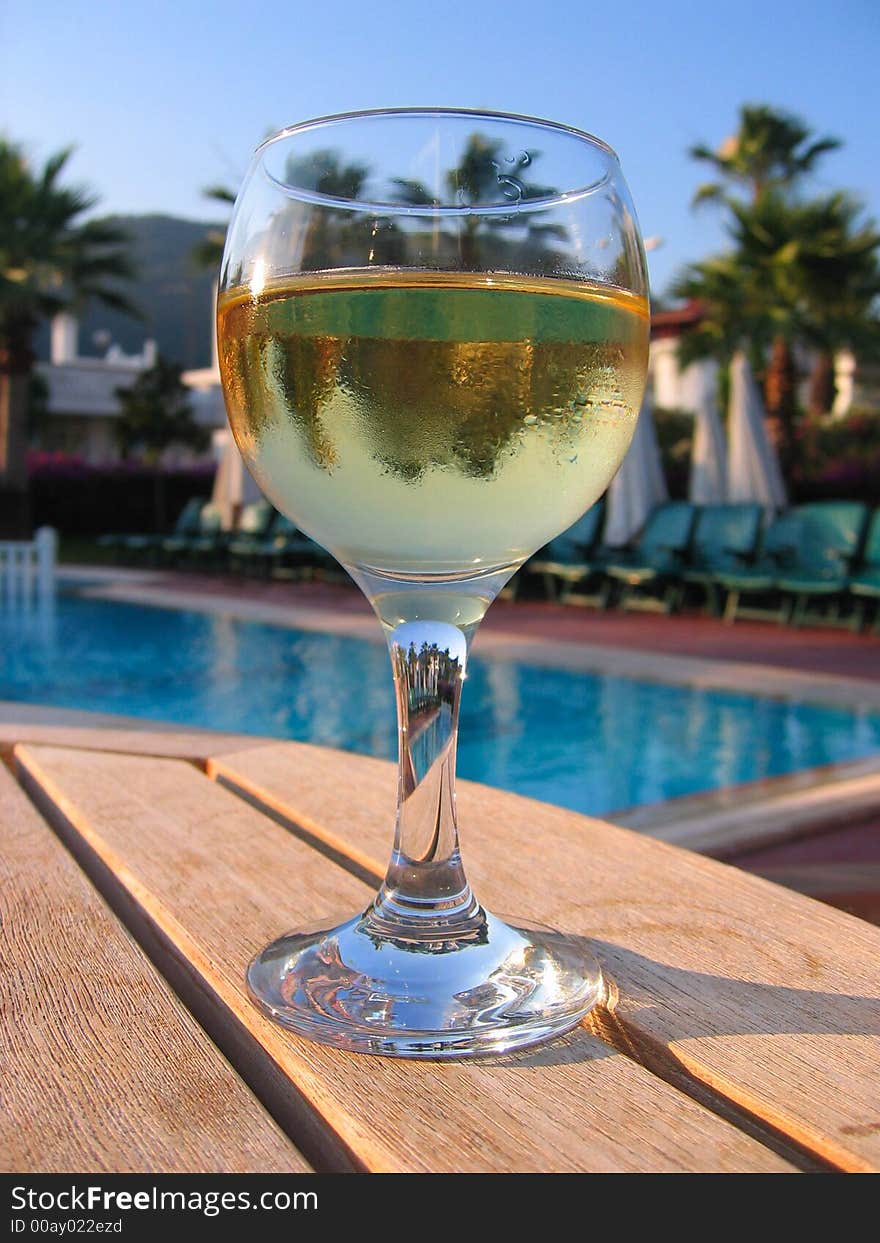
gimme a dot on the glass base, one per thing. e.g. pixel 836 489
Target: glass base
pixel 490 988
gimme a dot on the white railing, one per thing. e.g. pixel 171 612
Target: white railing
pixel 27 568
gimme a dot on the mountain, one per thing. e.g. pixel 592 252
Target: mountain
pixel 173 294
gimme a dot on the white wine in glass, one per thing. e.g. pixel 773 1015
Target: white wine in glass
pixel 433 364
pixel 403 417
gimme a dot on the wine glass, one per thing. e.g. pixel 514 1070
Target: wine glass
pixel 433 336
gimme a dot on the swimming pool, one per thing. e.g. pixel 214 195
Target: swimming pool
pixel 590 742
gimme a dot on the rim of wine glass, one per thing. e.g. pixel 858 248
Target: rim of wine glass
pixel 425 209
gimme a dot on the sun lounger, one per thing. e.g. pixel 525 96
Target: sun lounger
pixel 571 557
pixel 807 554
pixel 284 551
pixel 204 545
pixel 254 525
pixel 656 560
pixel 139 545
pixel 725 540
pixel 864 583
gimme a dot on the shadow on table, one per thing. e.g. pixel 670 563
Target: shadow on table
pixel 651 1003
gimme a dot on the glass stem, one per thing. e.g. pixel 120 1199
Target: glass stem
pixel 425 883
pixel 429 627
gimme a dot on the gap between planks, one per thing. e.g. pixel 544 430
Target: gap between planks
pixel 653 1055
pixel 808 1077
pixel 162 832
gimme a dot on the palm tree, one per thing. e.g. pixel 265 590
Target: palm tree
pixel 837 265
pixel 814 270
pixel 770 148
pixel 769 155
pixel 50 261
pixel 735 312
pixel 483 175
pixel 797 270
pixel 796 273
pixel 322 172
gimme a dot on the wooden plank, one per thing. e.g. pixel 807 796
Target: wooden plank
pixel 853 887
pixel 215 880
pixel 759 995
pixel 105 731
pixel 103 1069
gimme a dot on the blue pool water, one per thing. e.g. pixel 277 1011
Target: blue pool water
pixel 589 742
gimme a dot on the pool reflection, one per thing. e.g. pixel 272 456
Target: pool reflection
pixel 589 742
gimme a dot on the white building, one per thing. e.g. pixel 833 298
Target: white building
pixel 82 401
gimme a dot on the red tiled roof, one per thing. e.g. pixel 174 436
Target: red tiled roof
pixel 673 323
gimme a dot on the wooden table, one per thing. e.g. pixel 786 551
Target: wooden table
pixel 740 1031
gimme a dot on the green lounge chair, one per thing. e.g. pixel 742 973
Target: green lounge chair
pixel 805 554
pixel 571 557
pixel 254 525
pixel 832 537
pixel 204 545
pixel 778 550
pixel 864 584
pixel 725 539
pixel 285 552
pixel 137 545
pixel 656 560
pixel 296 555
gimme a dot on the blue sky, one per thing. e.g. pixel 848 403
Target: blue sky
pixel 166 97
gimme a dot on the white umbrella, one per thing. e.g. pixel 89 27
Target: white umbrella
pixel 708 479
pixel 753 472
pixel 233 485
pixel 639 486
